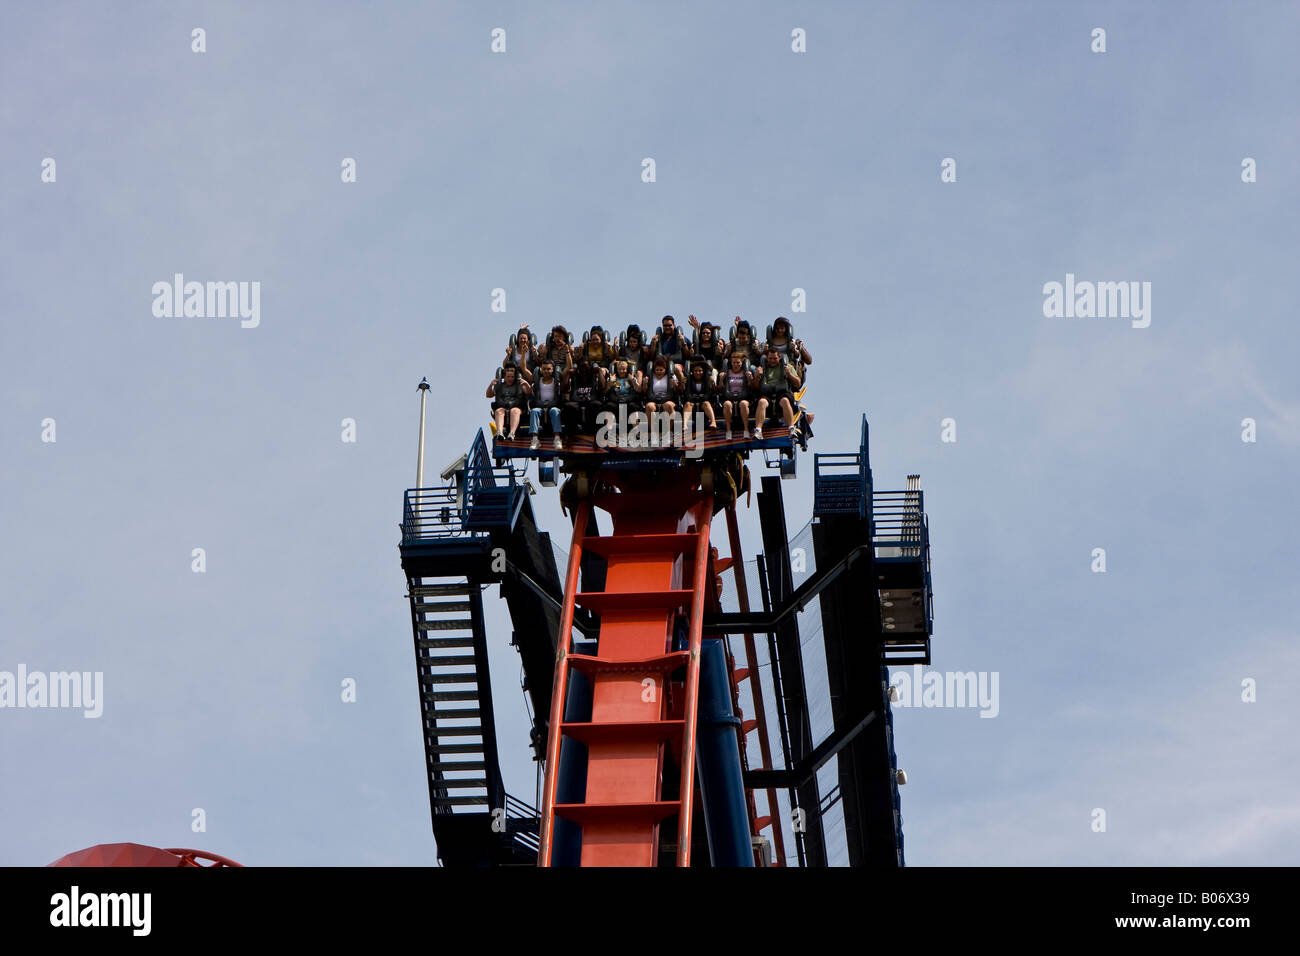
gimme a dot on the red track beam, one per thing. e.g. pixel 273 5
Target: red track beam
pixel 700 576
pixel 563 640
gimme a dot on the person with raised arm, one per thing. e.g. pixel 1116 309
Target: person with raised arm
pixel 522 354
pixel 558 349
pixel 711 348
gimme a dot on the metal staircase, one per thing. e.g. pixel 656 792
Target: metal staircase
pixel 459 733
pixel 447 536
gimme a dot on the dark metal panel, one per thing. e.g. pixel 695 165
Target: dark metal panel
pixel 487 717
pixel 851 630
pixel 780 580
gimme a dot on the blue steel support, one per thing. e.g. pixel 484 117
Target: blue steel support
pixel 721 778
pixel 571 777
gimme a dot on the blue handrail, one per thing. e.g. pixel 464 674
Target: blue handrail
pixel 486 498
pixel 842 482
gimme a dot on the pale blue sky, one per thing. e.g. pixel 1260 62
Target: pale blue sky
pixel 775 171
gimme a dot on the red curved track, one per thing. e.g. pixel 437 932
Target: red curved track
pixel 137 854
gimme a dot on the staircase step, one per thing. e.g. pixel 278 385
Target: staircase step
pixel 644 813
pixel 641 544
pixel 426 590
pixel 447 766
pixel 464 713
pixel 663 664
pixel 444 607
pixel 469 678
pixel 446 661
pixel 643 501
pixel 453 748
pixel 613 732
pixel 430 643
pixel 459 801
pixel 455 624
pixel 451 783
pixel 435 696
pixel 602 602
pixel 439 732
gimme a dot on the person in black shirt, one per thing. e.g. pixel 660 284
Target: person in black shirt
pixel 699 394
pixel 584 387
pixel 509 399
pixel 711 348
pixel 673 346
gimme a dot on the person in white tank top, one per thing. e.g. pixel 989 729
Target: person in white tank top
pixel 735 394
pixel 661 388
pixel 545 399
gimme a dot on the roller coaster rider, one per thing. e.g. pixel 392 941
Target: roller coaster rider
pixel 734 390
pixel 775 383
pixel 709 347
pixel 521 353
pixel 597 349
pixel 635 350
pixel 699 394
pixel 509 394
pixel 547 399
pixel 742 341
pixel 584 386
pixel 792 351
pixel 663 387
pixel 558 347
pixel 623 389
pixel 672 345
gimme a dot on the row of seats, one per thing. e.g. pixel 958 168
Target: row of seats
pixel 728 381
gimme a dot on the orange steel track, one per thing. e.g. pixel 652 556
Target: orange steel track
pixel 657 565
